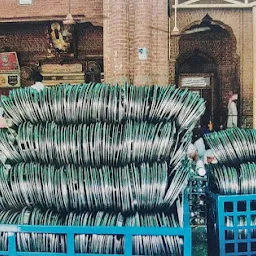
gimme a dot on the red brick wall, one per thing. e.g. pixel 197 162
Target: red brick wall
pixel 160 56
pixel 30 42
pixel 89 40
pixel 47 9
pixel 133 24
pixel 89 44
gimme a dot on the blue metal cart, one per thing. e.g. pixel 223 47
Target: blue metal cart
pixel 231 224
pixel 197 200
pixel 70 233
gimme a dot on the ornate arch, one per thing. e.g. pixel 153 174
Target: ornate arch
pixel 212 23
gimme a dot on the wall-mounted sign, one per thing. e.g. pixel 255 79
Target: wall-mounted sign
pixel 143 53
pixel 189 81
pixel 9 80
pixel 25 2
pixel 62 68
pixel 9 62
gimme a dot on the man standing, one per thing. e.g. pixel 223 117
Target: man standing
pixel 232 110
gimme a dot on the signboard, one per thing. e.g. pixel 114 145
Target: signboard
pixel 9 80
pixel 9 62
pixel 194 82
pixel 143 53
pixel 64 68
pixel 25 2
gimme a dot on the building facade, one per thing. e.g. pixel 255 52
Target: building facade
pixel 146 42
pixel 226 51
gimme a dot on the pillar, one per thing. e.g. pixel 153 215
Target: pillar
pixel 116 41
pixel 143 39
pixel 160 38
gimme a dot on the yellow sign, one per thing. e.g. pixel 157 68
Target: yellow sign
pixel 64 68
pixel 3 81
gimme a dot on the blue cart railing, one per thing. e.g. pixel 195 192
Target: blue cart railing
pixel 231 224
pixel 71 231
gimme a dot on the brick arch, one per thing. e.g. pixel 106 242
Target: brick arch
pixel 231 33
pixel 207 58
pixel 216 23
pixel 217 49
pixel 203 56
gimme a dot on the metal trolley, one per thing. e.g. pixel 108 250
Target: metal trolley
pixel 70 232
pixel 231 224
pixel 197 200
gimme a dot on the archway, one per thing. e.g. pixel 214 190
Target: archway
pixel 207 52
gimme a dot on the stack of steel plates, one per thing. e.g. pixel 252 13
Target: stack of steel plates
pixel 127 189
pixel 97 155
pixel 91 103
pixel 96 144
pixel 235 150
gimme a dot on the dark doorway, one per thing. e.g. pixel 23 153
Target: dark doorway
pixel 198 72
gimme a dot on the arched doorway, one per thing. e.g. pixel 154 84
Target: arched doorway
pixel 197 71
pixel 208 64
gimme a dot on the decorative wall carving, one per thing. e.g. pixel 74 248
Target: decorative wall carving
pixel 61 39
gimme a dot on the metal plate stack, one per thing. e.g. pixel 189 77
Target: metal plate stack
pixel 97 155
pixel 235 150
pixel 231 213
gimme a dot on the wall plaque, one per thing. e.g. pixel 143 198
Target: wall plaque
pixel 9 62
pixel 25 2
pixel 192 82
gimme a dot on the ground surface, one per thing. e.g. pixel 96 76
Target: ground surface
pixel 199 241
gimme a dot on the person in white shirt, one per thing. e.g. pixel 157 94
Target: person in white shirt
pixel 209 157
pixel 200 147
pixel 197 163
pixel 38 83
pixel 232 111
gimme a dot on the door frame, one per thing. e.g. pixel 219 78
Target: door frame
pixel 208 77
